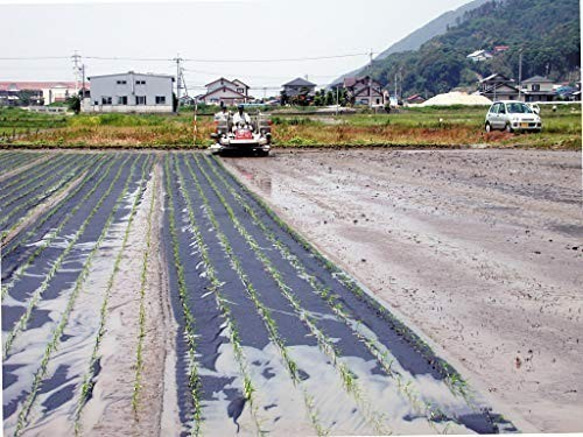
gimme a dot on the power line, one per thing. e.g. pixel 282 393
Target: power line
pixel 207 61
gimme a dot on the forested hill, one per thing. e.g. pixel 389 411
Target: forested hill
pixel 546 31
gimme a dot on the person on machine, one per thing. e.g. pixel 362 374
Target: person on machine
pixel 241 118
pixel 223 114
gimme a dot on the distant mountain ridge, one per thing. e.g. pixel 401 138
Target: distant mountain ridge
pixel 415 40
pixel 432 29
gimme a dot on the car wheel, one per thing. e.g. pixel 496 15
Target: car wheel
pixel 509 128
pixel 488 128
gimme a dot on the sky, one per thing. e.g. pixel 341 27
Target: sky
pixel 209 34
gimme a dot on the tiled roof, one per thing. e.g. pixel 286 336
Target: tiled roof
pixel 300 82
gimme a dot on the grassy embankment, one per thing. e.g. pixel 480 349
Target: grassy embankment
pixel 451 126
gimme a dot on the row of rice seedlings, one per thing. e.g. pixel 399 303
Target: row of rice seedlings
pixel 325 344
pixel 232 331
pixel 23 176
pixel 9 159
pixel 47 240
pixel 262 310
pixel 189 321
pixel 54 189
pixel 46 216
pixel 62 163
pixel 142 313
pixel 37 294
pixel 57 333
pixel 455 382
pixel 88 380
pixel 405 386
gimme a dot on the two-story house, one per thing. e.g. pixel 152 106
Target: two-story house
pixel 130 92
pixel 299 86
pixel 498 87
pixel 364 91
pixel 538 89
pixel 228 92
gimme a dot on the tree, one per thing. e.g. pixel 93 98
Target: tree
pixel 74 104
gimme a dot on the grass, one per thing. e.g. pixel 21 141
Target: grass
pixel 425 127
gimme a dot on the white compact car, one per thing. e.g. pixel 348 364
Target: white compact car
pixel 511 116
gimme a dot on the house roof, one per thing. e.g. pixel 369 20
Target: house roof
pixel 300 82
pixel 237 94
pixel 20 86
pixel 134 73
pixel 218 80
pixel 478 53
pixel 240 82
pixel 494 76
pixel 537 79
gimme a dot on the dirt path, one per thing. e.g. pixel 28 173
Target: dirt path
pixel 481 250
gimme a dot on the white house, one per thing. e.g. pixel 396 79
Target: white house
pixel 130 92
pixel 538 89
pixel 229 92
pixel 480 56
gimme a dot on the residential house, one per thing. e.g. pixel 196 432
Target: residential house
pixel 480 56
pixel 363 90
pixel 130 92
pixel 228 92
pixel 498 87
pixel 299 86
pixel 538 89
pixel 35 93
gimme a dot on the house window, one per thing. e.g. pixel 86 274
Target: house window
pixel 140 100
pixel 106 100
pixel 122 82
pixel 140 82
pixel 241 90
pixel 536 87
pixel 122 100
pixel 160 100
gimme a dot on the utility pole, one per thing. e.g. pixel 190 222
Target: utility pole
pixel 76 58
pixel 178 61
pixel 371 54
pixel 83 81
pixel 520 75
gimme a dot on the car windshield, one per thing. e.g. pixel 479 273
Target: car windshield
pixel 518 108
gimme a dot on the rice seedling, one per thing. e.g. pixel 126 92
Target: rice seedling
pixel 16 194
pixel 325 344
pixel 23 267
pixel 142 313
pixel 101 160
pixel 55 189
pixel 376 349
pixel 189 321
pixel 215 286
pixel 52 345
pixel 37 294
pixel 88 379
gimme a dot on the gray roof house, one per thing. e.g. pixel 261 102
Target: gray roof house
pixel 538 89
pixel 299 85
pixel 130 92
pixel 498 87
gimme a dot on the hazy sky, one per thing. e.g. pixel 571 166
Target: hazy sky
pixel 206 30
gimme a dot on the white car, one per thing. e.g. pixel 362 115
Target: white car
pixel 512 115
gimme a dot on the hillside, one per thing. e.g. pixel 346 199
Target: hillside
pixel 416 39
pixel 547 31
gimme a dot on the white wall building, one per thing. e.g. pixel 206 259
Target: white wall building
pixel 130 92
